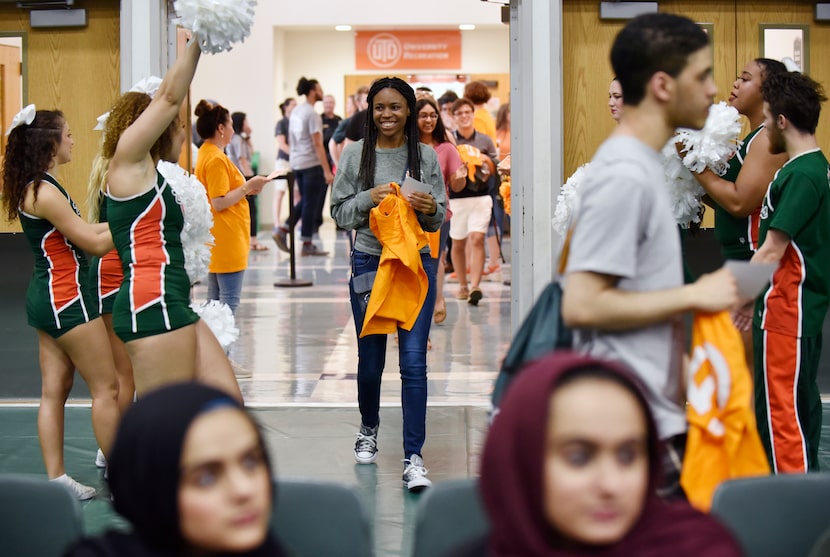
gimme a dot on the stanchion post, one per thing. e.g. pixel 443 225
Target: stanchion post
pixel 292 280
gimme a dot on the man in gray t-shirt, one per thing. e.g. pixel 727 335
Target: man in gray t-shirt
pixel 623 292
pixel 310 165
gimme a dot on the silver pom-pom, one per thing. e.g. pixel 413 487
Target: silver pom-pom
pixel 566 201
pixel 218 24
pixel 219 318
pixel 714 145
pixel 198 220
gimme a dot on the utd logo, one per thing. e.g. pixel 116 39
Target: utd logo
pixel 384 50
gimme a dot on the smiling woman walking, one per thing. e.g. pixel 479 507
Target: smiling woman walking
pixel 365 177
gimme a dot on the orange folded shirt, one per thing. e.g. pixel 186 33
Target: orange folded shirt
pixel 401 284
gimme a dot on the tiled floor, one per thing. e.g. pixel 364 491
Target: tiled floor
pixel 300 346
pixel 300 343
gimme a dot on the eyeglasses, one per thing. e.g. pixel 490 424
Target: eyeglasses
pixel 431 116
pixel 463 112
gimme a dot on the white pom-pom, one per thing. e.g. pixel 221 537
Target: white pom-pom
pixel 198 220
pixel 218 24
pixel 566 201
pixel 684 190
pixel 715 144
pixel 219 318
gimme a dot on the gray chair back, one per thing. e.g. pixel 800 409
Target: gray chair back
pixel 822 547
pixel 773 516
pixel 449 514
pixel 321 519
pixel 38 518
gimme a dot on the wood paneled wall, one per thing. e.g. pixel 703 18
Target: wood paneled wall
pixel 587 69
pixel 77 71
pixel 750 14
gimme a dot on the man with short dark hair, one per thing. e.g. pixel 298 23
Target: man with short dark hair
pixel 623 293
pixel 795 233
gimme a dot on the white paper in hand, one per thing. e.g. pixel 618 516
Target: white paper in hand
pixel 277 173
pixel 752 278
pixel 410 185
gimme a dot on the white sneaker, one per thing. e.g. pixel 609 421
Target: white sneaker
pixel 366 446
pixel 415 474
pixel 100 459
pixel 82 492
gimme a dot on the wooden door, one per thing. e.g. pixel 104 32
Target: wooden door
pixel 11 85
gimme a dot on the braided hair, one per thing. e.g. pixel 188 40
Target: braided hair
pixel 366 174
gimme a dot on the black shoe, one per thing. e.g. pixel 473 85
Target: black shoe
pixel 475 296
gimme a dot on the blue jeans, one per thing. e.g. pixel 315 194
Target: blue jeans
pixel 312 185
pixel 226 287
pixel 412 359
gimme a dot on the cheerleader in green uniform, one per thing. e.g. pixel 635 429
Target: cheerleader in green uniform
pixel 166 341
pixel 60 304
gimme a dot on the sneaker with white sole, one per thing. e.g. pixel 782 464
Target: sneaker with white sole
pixel 415 474
pixel 100 459
pixel 81 491
pixel 366 446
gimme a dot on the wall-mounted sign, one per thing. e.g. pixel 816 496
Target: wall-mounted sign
pixel 408 50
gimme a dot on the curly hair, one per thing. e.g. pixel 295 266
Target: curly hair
pixel 477 91
pixel 29 153
pixel 366 174
pixel 123 114
pixel 439 133
pixel 209 116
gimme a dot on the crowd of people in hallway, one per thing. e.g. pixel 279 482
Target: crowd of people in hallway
pixel 585 454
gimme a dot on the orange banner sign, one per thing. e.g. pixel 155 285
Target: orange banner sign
pixel 408 50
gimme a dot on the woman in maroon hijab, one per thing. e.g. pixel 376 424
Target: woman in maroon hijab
pixel 570 467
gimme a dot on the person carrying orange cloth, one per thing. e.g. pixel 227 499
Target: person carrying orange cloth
pixel 401 284
pixel 723 441
pixel 365 179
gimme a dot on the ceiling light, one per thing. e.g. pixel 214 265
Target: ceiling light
pixel 467 27
pixel 342 27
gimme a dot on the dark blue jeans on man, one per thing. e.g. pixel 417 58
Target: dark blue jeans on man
pixel 312 185
pixel 412 359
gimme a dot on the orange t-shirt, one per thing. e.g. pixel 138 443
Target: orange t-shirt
pixel 231 227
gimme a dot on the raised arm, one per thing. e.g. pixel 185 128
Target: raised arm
pixel 137 140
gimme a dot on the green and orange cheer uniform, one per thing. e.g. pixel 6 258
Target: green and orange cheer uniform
pixel 155 295
pixel 105 274
pixel 737 236
pixel 788 317
pixel 59 297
